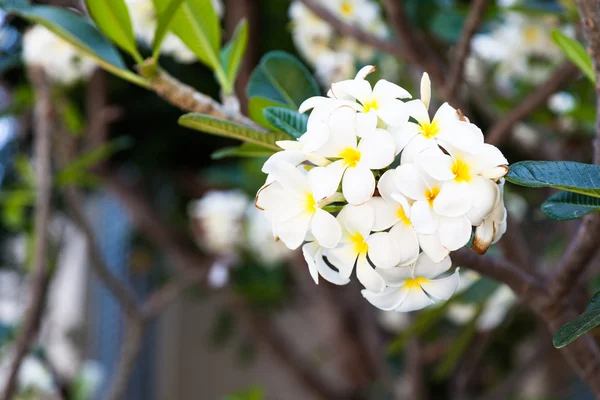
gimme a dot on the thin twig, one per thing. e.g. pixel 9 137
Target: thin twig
pixel 500 131
pixel 463 48
pixel 40 275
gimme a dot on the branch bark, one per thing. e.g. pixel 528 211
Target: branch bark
pixel 40 275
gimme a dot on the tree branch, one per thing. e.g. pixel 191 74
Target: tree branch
pixel 40 275
pixel 463 48
pixel 500 131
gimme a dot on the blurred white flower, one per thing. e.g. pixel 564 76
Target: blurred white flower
pixel 13 294
pixel 562 103
pixel 494 310
pixel 393 322
pixel 260 240
pixel 61 62
pixel 218 274
pixel 334 66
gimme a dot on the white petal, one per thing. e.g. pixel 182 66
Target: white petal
pixel 453 200
pixel 396 276
pixel 393 113
pixel 408 243
pixel 433 247
pixel 418 111
pixel 387 300
pixel 357 219
pixel 312 102
pixel 343 258
pixel 290 177
pixel 484 234
pixel 383 250
pixel 446 115
pixel 429 269
pixel 436 163
pixel 443 288
pixel 423 219
pixel 377 150
pixel 416 299
pixel 484 195
pixel 366 123
pixel 293 231
pixel 403 134
pixel 387 90
pixel 316 135
pixel 463 135
pixel 342 132
pixel 359 89
pixel 365 71
pixel 311 251
pixel 454 232
pixel 326 229
pixel 293 157
pixel 487 160
pixel 328 273
pixel 410 182
pixel 386 213
pixel 414 147
pixel 358 185
pixel 370 279
pixel 425 89
pixel 324 181
pixel 279 204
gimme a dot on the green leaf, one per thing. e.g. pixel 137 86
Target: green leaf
pixel 255 393
pixel 220 127
pixel 566 205
pixel 197 25
pixel 281 78
pixel 575 52
pixel 256 108
pixel 233 52
pixel 579 326
pixel 165 17
pixel 566 175
pixel 287 121
pixel 112 17
pixel 79 32
pixel 245 150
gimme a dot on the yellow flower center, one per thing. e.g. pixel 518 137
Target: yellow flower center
pixel 351 157
pixel 310 203
pixel 360 246
pixel 531 34
pixel 412 283
pixel 430 129
pixel 461 170
pixel 371 105
pixel 431 194
pixel 347 8
pixel 402 215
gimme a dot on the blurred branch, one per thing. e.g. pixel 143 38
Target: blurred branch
pixel 501 130
pixel 463 48
pixel 40 275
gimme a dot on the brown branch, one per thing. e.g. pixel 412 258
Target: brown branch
pixel 134 334
pixel 40 275
pixel 463 48
pixel 502 129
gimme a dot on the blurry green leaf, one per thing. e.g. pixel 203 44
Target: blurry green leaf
pixel 164 19
pixel 79 32
pixel 233 52
pixel 262 288
pixel 286 120
pixel 255 393
pixel 579 326
pixel 256 108
pixel 283 79
pixel 245 150
pixel 112 17
pixel 72 117
pixel 566 205
pixel 565 175
pixel 448 24
pixel 215 126
pixel 14 207
pixel 575 52
pixel 25 170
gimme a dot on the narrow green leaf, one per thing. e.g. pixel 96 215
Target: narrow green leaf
pixel 566 205
pixel 215 126
pixel 579 326
pixel 112 17
pixel 566 175
pixel 256 108
pixel 79 32
pixel 233 52
pixel 575 52
pixel 165 17
pixel 282 78
pixel 245 150
pixel 286 120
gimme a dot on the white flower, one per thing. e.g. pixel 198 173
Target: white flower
pixel 218 275
pixel 33 375
pixel 392 210
pixel 354 159
pixel 494 225
pixel 334 66
pixel 562 103
pixel 313 255
pixel 292 205
pixel 494 310
pixel 260 240
pixel 446 127
pixel 219 216
pixel 414 287
pixel 359 246
pixel 62 62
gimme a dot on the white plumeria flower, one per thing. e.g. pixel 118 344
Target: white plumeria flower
pixel 470 176
pixel 292 206
pixel 438 215
pixel 355 159
pixel 394 212
pixel 562 103
pixel 415 287
pixel 493 227
pixel 446 127
pixel 313 254
pixel 260 239
pixel 358 245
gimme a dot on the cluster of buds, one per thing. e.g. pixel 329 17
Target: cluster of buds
pixel 377 186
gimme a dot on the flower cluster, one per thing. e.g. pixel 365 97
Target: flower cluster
pixel 407 189
pixel 61 62
pixel 333 56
